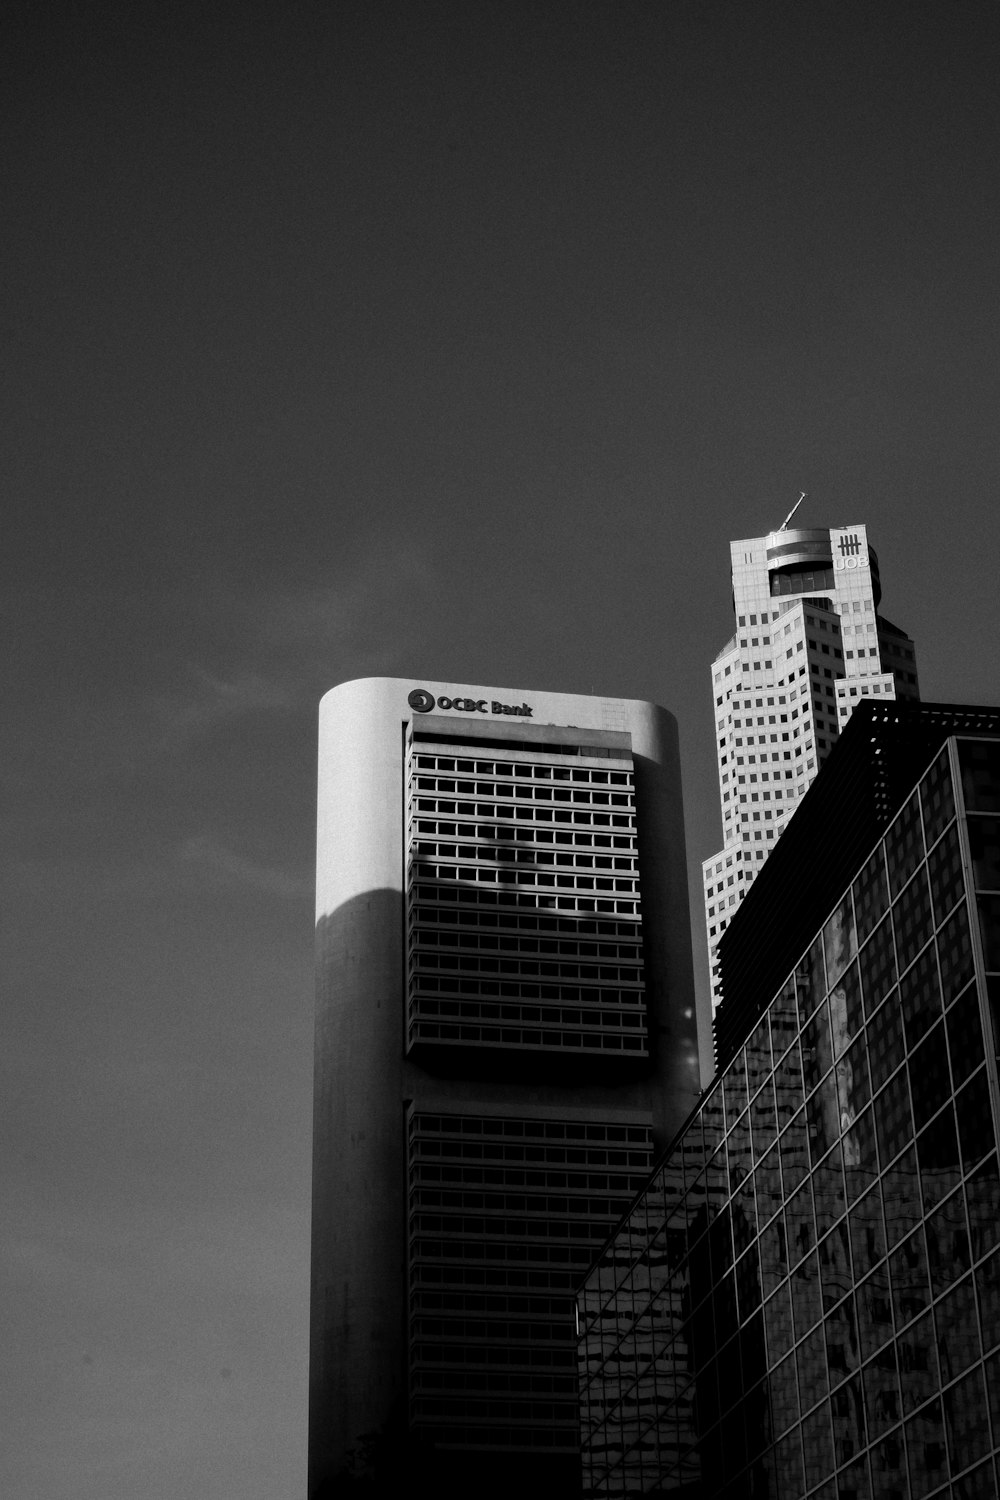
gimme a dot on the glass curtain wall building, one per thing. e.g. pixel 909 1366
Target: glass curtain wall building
pixel 805 1300
pixel 505 1035
pixel 810 643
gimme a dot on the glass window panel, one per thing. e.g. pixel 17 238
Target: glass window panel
pixel 784 1019
pixel 748 1285
pixel 713 1119
pixel 944 869
pixel 912 921
pixel 901 1197
pixel 810 1356
pixel 871 894
pixel 979 1484
pixel 984 846
pixel 840 941
pixel 920 997
pixel 817 1056
pixel 784 1395
pixel 910 1286
pixel 778 1323
pixel 883 1406
pixel 954 945
pixel 817 1444
pixel 989 927
pixel 918 1370
pixel 930 1080
pixel 853 1082
pixel 740 1155
pixel 966 1419
pixel 888 1461
pixel 982 1192
pixel 828 1191
pixel 758 1054
pixel 988 1287
pixel 763 1120
pixel 957 1321
pixel 925 1449
pixel 843 1348
pixel 767 1182
pixel 965 1035
pixel 867 1233
pixel 835 1265
pixel 904 848
pixel 975 1119
pixel 744 1217
pixel 853 1482
pixel 937 799
pixel 788 1090
pixel 993 1393
pixel 877 963
pixel 874 1311
pixel 847 1407
pixel 980 770
pixel 937 1153
pixel 846 1016
pixel 860 1158
pixel 885 1041
pixel 806 1303
pixel 794 1147
pixel 799 1225
pixel 948 1249
pixel 773 1254
pixel 822 1114
pixel 734 1084
pixel 810 981
pixel 893 1122
pixel 788 1463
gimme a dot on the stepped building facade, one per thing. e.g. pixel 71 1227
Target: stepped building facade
pixel 810 643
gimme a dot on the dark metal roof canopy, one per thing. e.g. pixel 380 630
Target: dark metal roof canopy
pixel 881 754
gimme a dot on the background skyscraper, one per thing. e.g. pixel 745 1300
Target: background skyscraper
pixel 810 643
pixel 505 1034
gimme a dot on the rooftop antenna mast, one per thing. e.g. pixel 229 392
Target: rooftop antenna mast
pixel 784 524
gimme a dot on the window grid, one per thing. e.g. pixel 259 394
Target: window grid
pixel 492 1270
pixel 858 1227
pixel 502 855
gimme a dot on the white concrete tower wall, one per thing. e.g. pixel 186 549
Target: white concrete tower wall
pixel 370 1079
pixel 809 644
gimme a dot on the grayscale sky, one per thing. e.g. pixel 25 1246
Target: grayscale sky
pixel 437 339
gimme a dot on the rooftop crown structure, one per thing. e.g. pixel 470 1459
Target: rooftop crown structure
pixel 810 643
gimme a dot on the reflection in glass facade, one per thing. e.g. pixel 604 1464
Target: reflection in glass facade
pixel 806 1299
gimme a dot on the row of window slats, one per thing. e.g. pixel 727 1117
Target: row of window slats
pixel 613 1449
pixel 505 1217
pixel 489 982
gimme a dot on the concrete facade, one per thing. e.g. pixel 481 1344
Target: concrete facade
pixel 481 852
pixel 810 644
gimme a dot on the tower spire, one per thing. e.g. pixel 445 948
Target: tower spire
pixel 791 513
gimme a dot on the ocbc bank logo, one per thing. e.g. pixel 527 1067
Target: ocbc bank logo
pixel 421 701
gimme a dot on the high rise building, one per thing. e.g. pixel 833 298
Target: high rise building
pixel 505 1035
pixel 805 1301
pixel 810 644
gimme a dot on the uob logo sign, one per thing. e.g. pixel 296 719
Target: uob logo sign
pixel 851 555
